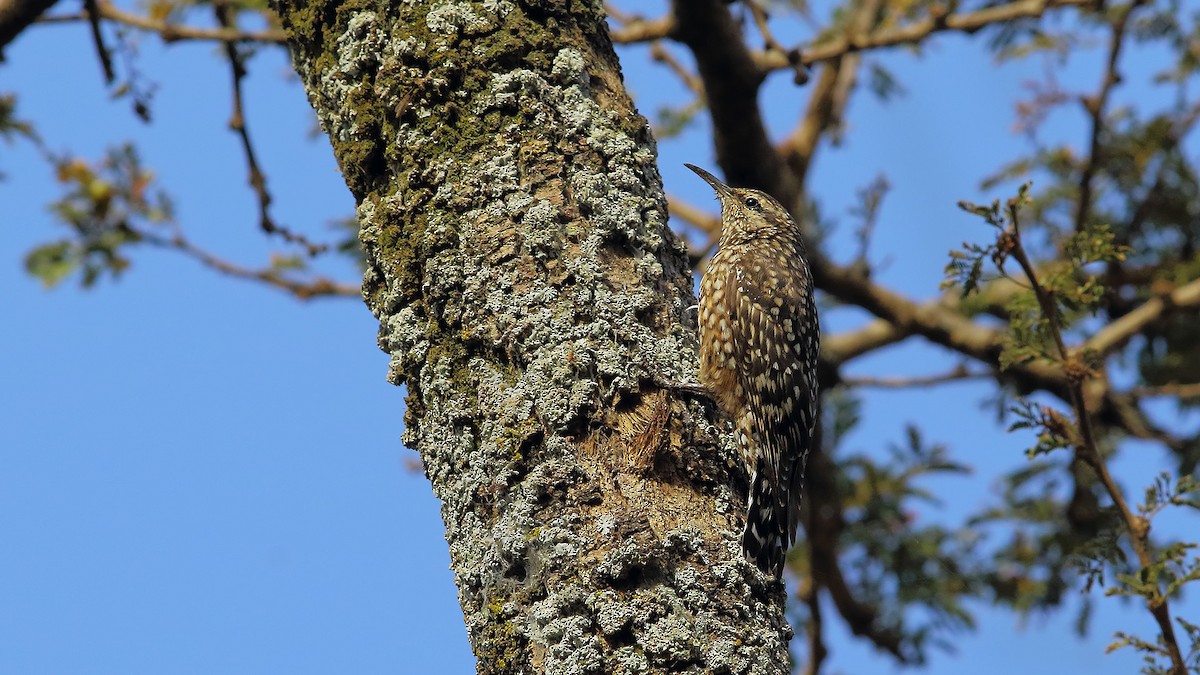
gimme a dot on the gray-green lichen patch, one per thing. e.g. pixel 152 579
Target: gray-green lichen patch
pixel 459 18
pixel 570 69
pixel 357 53
pixel 562 624
pixel 670 640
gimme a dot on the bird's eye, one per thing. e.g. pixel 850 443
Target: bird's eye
pixel 753 204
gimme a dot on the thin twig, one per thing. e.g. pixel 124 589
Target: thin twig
pixel 1133 420
pixel 701 220
pixel 102 52
pixel 237 122
pixel 829 100
pixel 761 21
pixel 690 80
pixel 140 90
pixel 912 33
pixel 1087 449
pixel 798 149
pixel 1096 107
pixel 171 32
pixel 694 216
pixel 318 287
pixel 870 200
pixel 958 374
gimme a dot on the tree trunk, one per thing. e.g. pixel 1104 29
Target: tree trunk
pixel 530 293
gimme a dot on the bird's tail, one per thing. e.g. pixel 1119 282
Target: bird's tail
pixel 765 537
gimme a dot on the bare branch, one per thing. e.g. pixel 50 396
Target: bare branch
pixel 694 216
pixel 701 220
pixel 824 524
pixel 799 147
pixel 660 54
pixel 1177 390
pixel 1096 107
pixel 958 374
pixel 731 80
pixel 842 347
pixel 172 32
pixel 633 28
pixel 1119 331
pixel 936 22
pixel 810 596
pixel 102 52
pixel 772 45
pixel 237 122
pixel 318 287
pixel 935 321
pixel 827 103
pixel 1134 421
pixel 16 15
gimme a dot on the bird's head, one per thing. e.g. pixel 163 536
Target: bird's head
pixel 746 212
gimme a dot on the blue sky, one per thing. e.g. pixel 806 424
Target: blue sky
pixel 203 475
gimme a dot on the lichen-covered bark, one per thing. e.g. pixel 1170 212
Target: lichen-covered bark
pixel 529 293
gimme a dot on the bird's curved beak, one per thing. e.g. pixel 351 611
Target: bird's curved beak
pixel 722 189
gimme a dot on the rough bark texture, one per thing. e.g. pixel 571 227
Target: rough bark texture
pixel 529 291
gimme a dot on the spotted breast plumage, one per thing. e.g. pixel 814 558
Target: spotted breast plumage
pixel 759 340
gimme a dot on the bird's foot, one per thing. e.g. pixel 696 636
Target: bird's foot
pixel 689 388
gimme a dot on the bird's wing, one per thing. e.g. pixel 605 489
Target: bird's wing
pixel 776 350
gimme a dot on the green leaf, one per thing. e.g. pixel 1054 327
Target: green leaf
pixel 882 82
pixel 52 262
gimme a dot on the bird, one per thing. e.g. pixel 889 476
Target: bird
pixel 759 340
